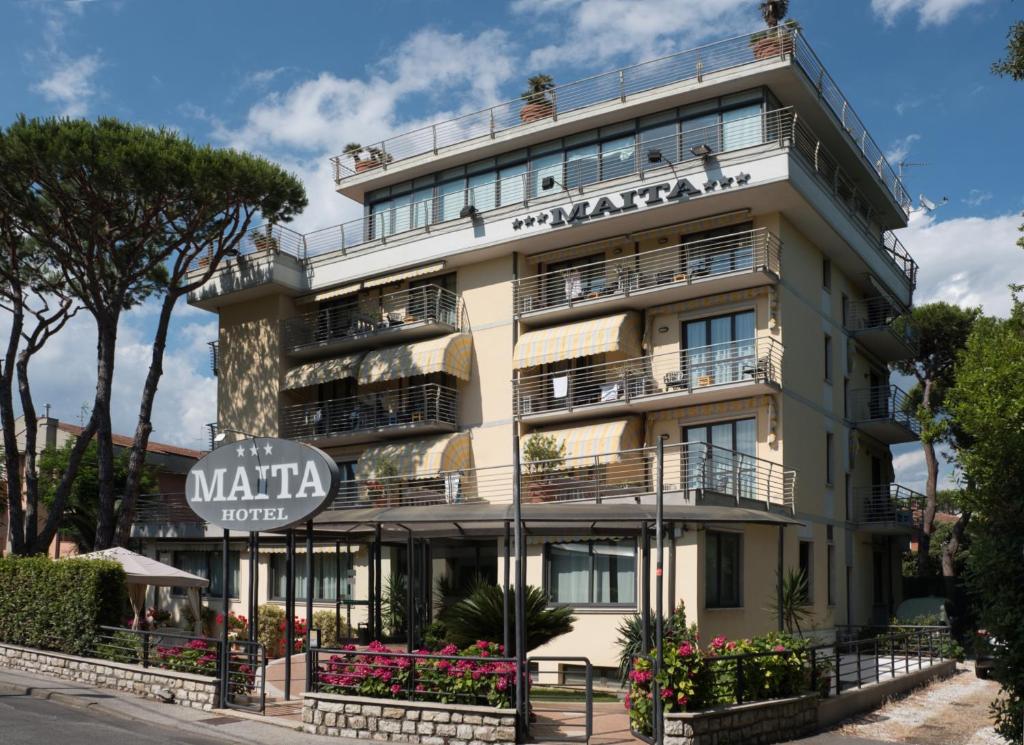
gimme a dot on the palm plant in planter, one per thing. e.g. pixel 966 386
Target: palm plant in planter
pixel 365 158
pixel 539 99
pixel 263 239
pixel 775 40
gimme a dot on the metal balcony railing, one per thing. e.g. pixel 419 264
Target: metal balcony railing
pixel 214 352
pixel 425 304
pixel 619 85
pixel 167 507
pixel 877 314
pixel 681 264
pixel 686 371
pixel 883 403
pixel 888 505
pixel 693 471
pixel 430 404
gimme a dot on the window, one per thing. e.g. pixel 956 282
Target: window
pixel 591 573
pixel 826 274
pixel 831 571
pixel 846 400
pixel 719 457
pixel 719 350
pixel 328 569
pixel 208 564
pixel 828 358
pixel 722 569
pixel 807 567
pixel 829 448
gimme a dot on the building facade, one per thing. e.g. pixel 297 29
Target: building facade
pixel 695 250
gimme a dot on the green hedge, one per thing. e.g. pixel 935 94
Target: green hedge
pixel 59 604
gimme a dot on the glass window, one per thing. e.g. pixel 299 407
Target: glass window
pixel 807 566
pixel 511 188
pixel 592 573
pixel 719 457
pixel 618 157
pixel 331 573
pixel 828 357
pixel 829 447
pixel 723 569
pixel 545 166
pixel 581 166
pixel 719 350
pixel 662 137
pixel 700 130
pixel 452 198
pixel 831 574
pixel 741 127
pixel 400 215
pixel 208 564
pixel 483 191
pixel 422 207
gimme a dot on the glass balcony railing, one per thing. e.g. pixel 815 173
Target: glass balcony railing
pixel 690 371
pixel 887 507
pixel 619 85
pixel 683 264
pixel 417 306
pixel 418 407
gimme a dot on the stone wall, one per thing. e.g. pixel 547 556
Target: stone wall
pixel 407 721
pixel 193 691
pixel 756 723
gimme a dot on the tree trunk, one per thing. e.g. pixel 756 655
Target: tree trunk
pixel 60 498
pixel 930 489
pixel 952 546
pixel 106 344
pixel 137 458
pixel 12 464
pixel 31 475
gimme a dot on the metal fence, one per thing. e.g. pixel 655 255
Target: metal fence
pixel 887 505
pixel 417 406
pixel 687 371
pixel 883 403
pixel 682 264
pixel 364 316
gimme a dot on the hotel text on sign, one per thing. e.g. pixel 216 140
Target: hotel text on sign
pixel 261 483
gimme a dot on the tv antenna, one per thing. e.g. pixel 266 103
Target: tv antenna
pixel 904 164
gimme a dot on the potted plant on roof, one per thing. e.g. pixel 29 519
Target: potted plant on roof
pixel 776 40
pixel 539 99
pixel 263 239
pixel 365 158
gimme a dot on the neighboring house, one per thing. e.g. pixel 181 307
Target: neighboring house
pixel 170 463
pixel 696 250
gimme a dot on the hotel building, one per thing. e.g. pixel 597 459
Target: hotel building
pixel 696 250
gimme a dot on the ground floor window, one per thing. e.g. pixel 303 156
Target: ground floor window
pixel 807 567
pixel 591 572
pixel 723 569
pixel 210 565
pixel 332 576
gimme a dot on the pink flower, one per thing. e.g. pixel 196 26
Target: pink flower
pixel 666 694
pixel 779 648
pixel 628 702
pixel 395 689
pixel 718 642
pixel 685 649
pixel 730 646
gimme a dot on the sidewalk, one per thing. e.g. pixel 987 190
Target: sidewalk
pixel 227 725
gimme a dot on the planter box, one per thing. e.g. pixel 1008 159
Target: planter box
pixel 756 723
pixel 423 722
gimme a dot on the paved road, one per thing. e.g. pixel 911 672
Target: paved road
pixel 25 720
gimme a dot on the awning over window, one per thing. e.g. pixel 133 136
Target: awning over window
pixel 322 371
pixel 607 439
pixel 420 459
pixel 618 333
pixel 402 276
pixel 451 354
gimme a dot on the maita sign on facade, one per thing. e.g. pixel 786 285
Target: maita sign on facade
pixel 261 483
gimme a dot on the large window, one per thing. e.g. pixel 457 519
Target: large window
pixel 720 457
pixel 719 350
pixel 591 573
pixel 208 564
pixel 332 576
pixel 723 570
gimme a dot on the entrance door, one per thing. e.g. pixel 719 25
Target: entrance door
pixel 720 457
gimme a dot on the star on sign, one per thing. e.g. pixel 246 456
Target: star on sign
pixel 240 450
pixel 268 448
pixel 254 450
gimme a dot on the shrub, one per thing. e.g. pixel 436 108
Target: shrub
pixel 325 621
pixel 482 616
pixel 59 605
pixel 271 629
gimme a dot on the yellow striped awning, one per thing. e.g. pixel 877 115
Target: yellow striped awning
pixel 452 354
pixel 606 438
pixel 618 333
pixel 401 276
pixel 322 371
pixel 418 459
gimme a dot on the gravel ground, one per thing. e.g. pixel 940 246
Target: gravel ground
pixel 950 712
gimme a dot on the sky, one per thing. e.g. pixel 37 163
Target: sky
pixel 297 81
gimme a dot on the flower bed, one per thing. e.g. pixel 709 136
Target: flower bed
pixel 477 675
pixel 724 672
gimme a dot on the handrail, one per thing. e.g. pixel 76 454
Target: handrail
pixel 883 403
pixel 683 263
pixel 887 504
pixel 407 407
pixel 754 360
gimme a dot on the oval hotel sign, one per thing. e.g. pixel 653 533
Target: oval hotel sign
pixel 261 483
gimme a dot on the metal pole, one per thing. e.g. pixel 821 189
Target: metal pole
pixel 378 621
pixel 371 586
pixel 254 578
pixel 778 578
pixel 225 610
pixel 337 592
pixel 522 674
pixel 410 623
pixel 507 570
pixel 645 589
pixel 672 568
pixel 289 612
pixel 309 605
pixel 252 586
pixel 659 572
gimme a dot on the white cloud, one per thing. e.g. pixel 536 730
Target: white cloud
pixel 929 12
pixel 977 197
pixel 599 30
pixel 966 260
pixel 71 85
pixel 261 78
pixel 910 470
pixel 900 149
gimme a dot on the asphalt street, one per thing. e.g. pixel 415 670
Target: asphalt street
pixel 25 720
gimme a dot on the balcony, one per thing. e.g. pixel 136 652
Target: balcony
pixel 699 66
pixel 733 262
pixel 718 372
pixel 875 322
pixel 887 509
pixel 398 317
pixel 885 413
pixel 420 410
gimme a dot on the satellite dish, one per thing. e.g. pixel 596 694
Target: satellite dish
pixel 928 205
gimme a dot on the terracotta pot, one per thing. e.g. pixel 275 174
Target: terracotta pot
pixel 531 112
pixel 366 165
pixel 772 46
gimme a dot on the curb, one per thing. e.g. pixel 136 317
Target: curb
pixel 45 694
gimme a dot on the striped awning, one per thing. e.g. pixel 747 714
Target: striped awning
pixel 322 371
pixel 402 276
pixel 606 439
pixel 418 459
pixel 618 333
pixel 451 354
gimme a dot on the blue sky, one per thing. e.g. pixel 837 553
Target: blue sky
pixel 297 81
